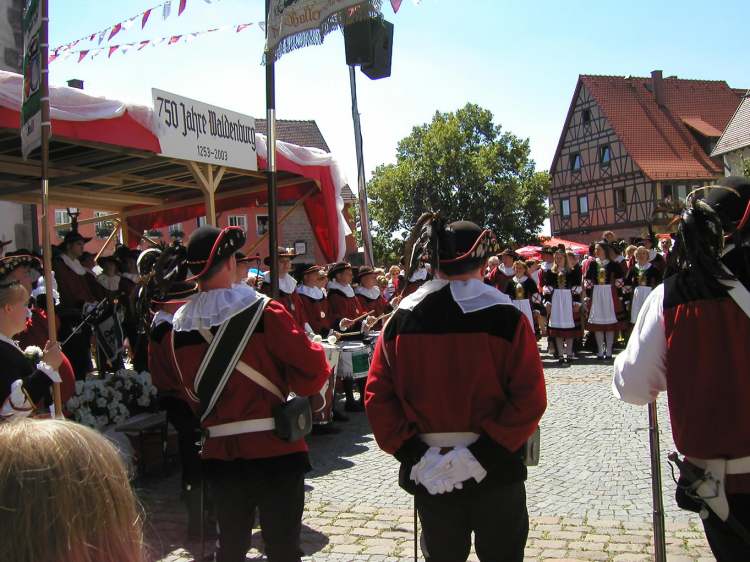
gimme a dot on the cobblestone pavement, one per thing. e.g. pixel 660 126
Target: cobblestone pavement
pixel 589 499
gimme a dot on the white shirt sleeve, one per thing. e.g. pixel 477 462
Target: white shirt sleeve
pixel 640 370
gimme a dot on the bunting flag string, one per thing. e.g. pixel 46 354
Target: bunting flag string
pixel 109 32
pixel 93 52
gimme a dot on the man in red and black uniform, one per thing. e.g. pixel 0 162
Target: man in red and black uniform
pixel 455 390
pixel 77 286
pixel 288 296
pixel 691 339
pixel 502 275
pixel 368 293
pixel 315 310
pixel 246 463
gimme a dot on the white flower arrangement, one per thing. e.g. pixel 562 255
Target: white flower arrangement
pixel 98 403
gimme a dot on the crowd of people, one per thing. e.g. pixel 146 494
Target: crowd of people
pixel 455 388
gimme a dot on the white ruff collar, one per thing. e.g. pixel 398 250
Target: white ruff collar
pixel 546 266
pixel 287 283
pixel 75 265
pixel 470 296
pixel 603 263
pixel 346 289
pixel 132 276
pixel 640 267
pixel 315 293
pixel 207 309
pixel 520 280
pixel 507 271
pixel 10 341
pixel 372 293
pixel 160 317
pixel 419 275
pixel 111 283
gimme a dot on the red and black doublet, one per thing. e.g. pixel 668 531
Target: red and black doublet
pixel 315 312
pixel 500 278
pixel 437 369
pixel 376 307
pixel 290 301
pixel 570 280
pixel 343 306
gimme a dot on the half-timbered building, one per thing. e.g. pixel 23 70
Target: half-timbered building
pixel 629 142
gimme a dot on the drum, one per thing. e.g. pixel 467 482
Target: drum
pixel 354 361
pixel 321 403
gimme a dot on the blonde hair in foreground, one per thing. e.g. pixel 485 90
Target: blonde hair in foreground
pixel 65 496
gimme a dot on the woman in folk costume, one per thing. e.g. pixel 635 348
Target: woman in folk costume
pixel 288 296
pixel 524 292
pixel 110 276
pixel 603 283
pixel 370 296
pixel 562 295
pixel 316 312
pixel 642 278
pixel 23 385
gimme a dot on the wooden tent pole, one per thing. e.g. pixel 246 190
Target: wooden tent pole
pixel 111 237
pixel 47 252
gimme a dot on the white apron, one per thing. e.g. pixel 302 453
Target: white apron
pixel 524 306
pixel 561 315
pixel 602 306
pixel 639 297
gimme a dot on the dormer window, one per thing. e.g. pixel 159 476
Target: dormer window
pixel 576 162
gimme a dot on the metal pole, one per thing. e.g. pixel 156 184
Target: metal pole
pixel 364 216
pixel 660 544
pixel 271 168
pixel 46 130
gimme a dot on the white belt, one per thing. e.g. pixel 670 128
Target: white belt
pixel 240 427
pixel 733 466
pixel 449 439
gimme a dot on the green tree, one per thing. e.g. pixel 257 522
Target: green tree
pixel 746 167
pixel 467 167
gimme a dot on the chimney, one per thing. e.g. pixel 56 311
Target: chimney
pixel 657 83
pixel 76 83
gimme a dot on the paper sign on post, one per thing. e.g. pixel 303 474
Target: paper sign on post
pixel 193 130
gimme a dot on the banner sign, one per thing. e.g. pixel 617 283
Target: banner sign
pixel 293 24
pixel 31 105
pixel 193 130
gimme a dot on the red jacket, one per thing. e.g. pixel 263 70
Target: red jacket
pixel 74 289
pixel 438 369
pixel 316 312
pixel 279 350
pixel 161 361
pixel 342 307
pixel 290 301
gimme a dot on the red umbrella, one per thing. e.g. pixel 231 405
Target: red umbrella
pixel 530 252
pixel 576 247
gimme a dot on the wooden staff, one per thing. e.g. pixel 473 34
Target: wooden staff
pixel 46 132
pixel 108 241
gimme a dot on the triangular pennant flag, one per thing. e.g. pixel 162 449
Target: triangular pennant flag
pixel 395 4
pixel 82 55
pixel 115 30
pixel 112 49
pixel 166 9
pixel 74 43
pixel 102 35
pixel 208 1
pixel 262 25
pixel 183 5
pixel 93 35
pixel 144 19
pixel 243 26
pixel 52 57
pixel 143 44
pixel 174 39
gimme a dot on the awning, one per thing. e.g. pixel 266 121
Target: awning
pixel 104 155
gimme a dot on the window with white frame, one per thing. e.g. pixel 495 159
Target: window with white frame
pixel 238 220
pixel 103 228
pixel 565 207
pixel 61 217
pixel 583 205
pixel 201 221
pixel 261 224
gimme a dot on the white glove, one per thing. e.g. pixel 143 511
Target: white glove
pixel 547 290
pixel 466 466
pixel 432 472
pixel 588 283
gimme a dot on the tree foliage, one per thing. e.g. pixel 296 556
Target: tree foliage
pixel 746 167
pixel 467 167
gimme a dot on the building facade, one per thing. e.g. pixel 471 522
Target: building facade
pixel 734 145
pixel 629 142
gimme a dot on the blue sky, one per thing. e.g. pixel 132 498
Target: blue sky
pixel 520 59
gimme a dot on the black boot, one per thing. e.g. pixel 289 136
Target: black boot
pixel 352 404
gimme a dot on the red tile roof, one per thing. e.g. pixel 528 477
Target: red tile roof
pixel 657 138
pixel 301 133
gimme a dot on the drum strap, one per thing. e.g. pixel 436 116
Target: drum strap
pixel 224 352
pixel 738 292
